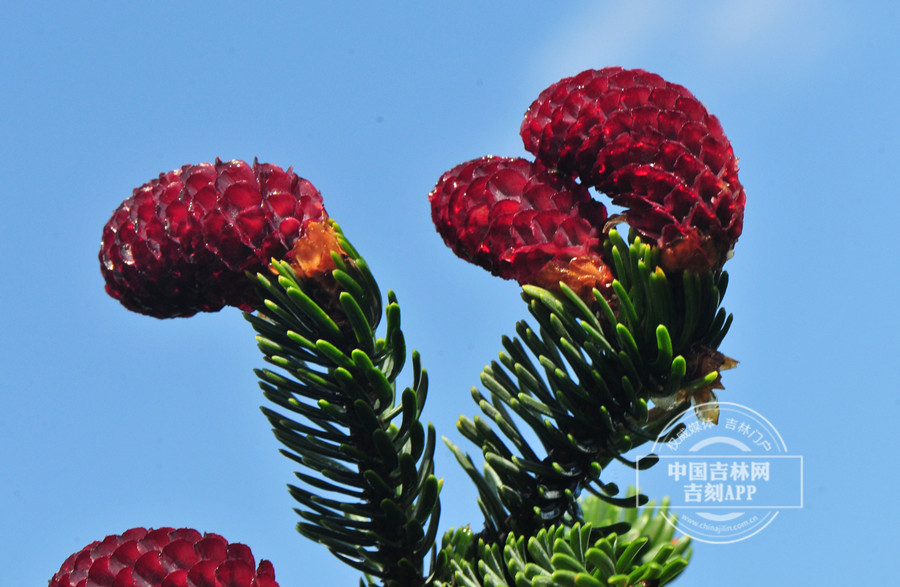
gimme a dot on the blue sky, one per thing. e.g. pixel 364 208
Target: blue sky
pixel 113 420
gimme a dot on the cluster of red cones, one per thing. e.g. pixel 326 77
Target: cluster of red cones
pixel 182 243
pixel 647 143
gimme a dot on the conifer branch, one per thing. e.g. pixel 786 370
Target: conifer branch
pixel 367 489
pixel 580 555
pixel 591 382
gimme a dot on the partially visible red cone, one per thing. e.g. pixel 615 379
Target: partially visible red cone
pixel 653 147
pixel 181 244
pixel 520 221
pixel 164 557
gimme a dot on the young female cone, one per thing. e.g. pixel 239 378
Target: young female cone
pixel 521 221
pixel 651 146
pixel 182 243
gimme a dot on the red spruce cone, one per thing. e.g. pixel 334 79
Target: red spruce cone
pixel 164 557
pixel 181 243
pixel 653 147
pixel 520 221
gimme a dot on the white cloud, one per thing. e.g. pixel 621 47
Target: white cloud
pixel 668 37
pixel 604 34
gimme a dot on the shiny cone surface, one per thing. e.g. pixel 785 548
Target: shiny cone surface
pixel 181 244
pixel 654 149
pixel 513 217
